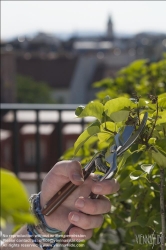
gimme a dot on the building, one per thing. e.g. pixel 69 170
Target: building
pixel 71 67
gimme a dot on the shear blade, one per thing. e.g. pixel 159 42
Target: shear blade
pixel 134 137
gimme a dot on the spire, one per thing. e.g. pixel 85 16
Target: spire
pixel 109 20
pixel 110 28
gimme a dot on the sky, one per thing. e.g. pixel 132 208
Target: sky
pixel 130 17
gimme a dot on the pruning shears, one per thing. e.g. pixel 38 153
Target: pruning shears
pixel 122 143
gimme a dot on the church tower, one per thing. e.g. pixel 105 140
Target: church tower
pixel 110 28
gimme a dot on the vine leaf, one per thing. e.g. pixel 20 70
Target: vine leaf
pixel 162 95
pixel 123 159
pixel 118 104
pixel 147 168
pixel 162 117
pixel 143 103
pixel 132 224
pixel 103 136
pixel 90 131
pixel 142 220
pixel 159 156
pixel 135 175
pixel 94 108
pixel 108 126
pixel 119 116
pixel 162 102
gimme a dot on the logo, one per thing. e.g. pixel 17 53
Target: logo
pixel 149 239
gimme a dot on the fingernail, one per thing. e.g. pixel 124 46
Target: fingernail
pixel 75 218
pixel 97 189
pixel 77 177
pixel 80 203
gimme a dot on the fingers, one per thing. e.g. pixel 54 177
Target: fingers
pixel 58 176
pixel 85 221
pixel 69 169
pixel 61 173
pixel 105 187
pixel 91 210
pixel 93 206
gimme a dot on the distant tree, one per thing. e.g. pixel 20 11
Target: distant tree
pixel 30 91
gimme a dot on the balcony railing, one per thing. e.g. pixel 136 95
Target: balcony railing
pixel 15 117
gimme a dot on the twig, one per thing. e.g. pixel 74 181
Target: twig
pixel 162 208
pixel 154 124
pixel 138 114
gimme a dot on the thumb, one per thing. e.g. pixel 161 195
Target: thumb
pixel 70 170
pixel 60 174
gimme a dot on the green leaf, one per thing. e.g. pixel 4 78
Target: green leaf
pixel 162 117
pixel 147 168
pixel 162 102
pixel 119 116
pixel 124 182
pixel 103 136
pixel 152 141
pixel 127 194
pixel 110 221
pixel 2 222
pixel 143 103
pixel 118 104
pixel 137 154
pixel 137 174
pixel 68 154
pixel 159 156
pixel 108 126
pixel 162 96
pixel 79 110
pixel 14 199
pixel 142 220
pixel 162 144
pixel 153 219
pixel 123 158
pixel 152 106
pixel 13 193
pixel 105 144
pixel 94 108
pixel 132 224
pixel 106 82
pixel 20 217
pixel 90 131
pixel 106 99
pixel 91 141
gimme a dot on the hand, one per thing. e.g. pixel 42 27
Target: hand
pixel 68 211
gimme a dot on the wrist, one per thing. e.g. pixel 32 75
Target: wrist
pixel 41 222
pixel 41 233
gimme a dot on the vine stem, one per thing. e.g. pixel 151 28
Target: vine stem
pixel 162 208
pixel 157 111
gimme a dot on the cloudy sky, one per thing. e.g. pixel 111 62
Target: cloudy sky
pixel 22 17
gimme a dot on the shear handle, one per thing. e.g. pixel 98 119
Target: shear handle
pixel 66 190
pixel 63 193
